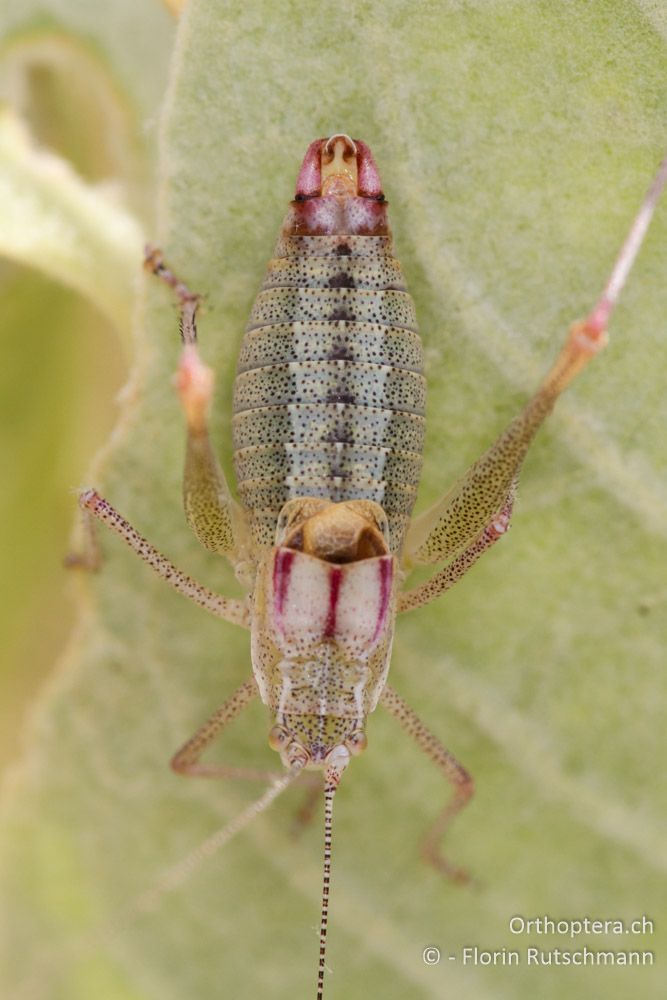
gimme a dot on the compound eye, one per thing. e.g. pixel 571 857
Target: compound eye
pixel 357 743
pixel 279 738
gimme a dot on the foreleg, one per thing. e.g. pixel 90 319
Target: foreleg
pixel 455 773
pixel 186 760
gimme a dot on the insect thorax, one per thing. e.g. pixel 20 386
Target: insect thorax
pixel 321 640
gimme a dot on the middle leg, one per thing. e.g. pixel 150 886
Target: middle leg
pixel 229 608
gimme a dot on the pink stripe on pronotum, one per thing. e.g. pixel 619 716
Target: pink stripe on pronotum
pixel 281 577
pixel 335 578
pixel 386 574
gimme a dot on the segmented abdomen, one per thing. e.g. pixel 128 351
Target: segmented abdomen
pixel 329 391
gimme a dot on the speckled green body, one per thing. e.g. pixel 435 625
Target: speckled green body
pixel 329 393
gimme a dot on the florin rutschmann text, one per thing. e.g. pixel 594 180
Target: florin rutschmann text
pixel 571 928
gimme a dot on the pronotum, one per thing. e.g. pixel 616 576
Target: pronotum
pixel 328 429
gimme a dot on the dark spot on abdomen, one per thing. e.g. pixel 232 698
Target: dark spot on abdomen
pixel 340 352
pixel 342 280
pixel 340 397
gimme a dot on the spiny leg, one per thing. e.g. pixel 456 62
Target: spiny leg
pixel 186 760
pixel 452 573
pixel 456 520
pixel 224 607
pixel 210 509
pixel 488 486
pixel 455 773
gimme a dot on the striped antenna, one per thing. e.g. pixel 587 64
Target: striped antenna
pixel 331 779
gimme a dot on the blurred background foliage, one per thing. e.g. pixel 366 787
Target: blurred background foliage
pixel 515 139
pixel 79 93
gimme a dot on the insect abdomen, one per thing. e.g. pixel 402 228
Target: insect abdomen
pixel 329 392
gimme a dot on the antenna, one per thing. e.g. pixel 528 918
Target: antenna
pixel 175 876
pixel 331 778
pixel 172 878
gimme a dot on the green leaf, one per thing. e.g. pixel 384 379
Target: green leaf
pixel 69 230
pixel 515 142
pixel 74 199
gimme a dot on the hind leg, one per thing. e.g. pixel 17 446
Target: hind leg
pixel 210 510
